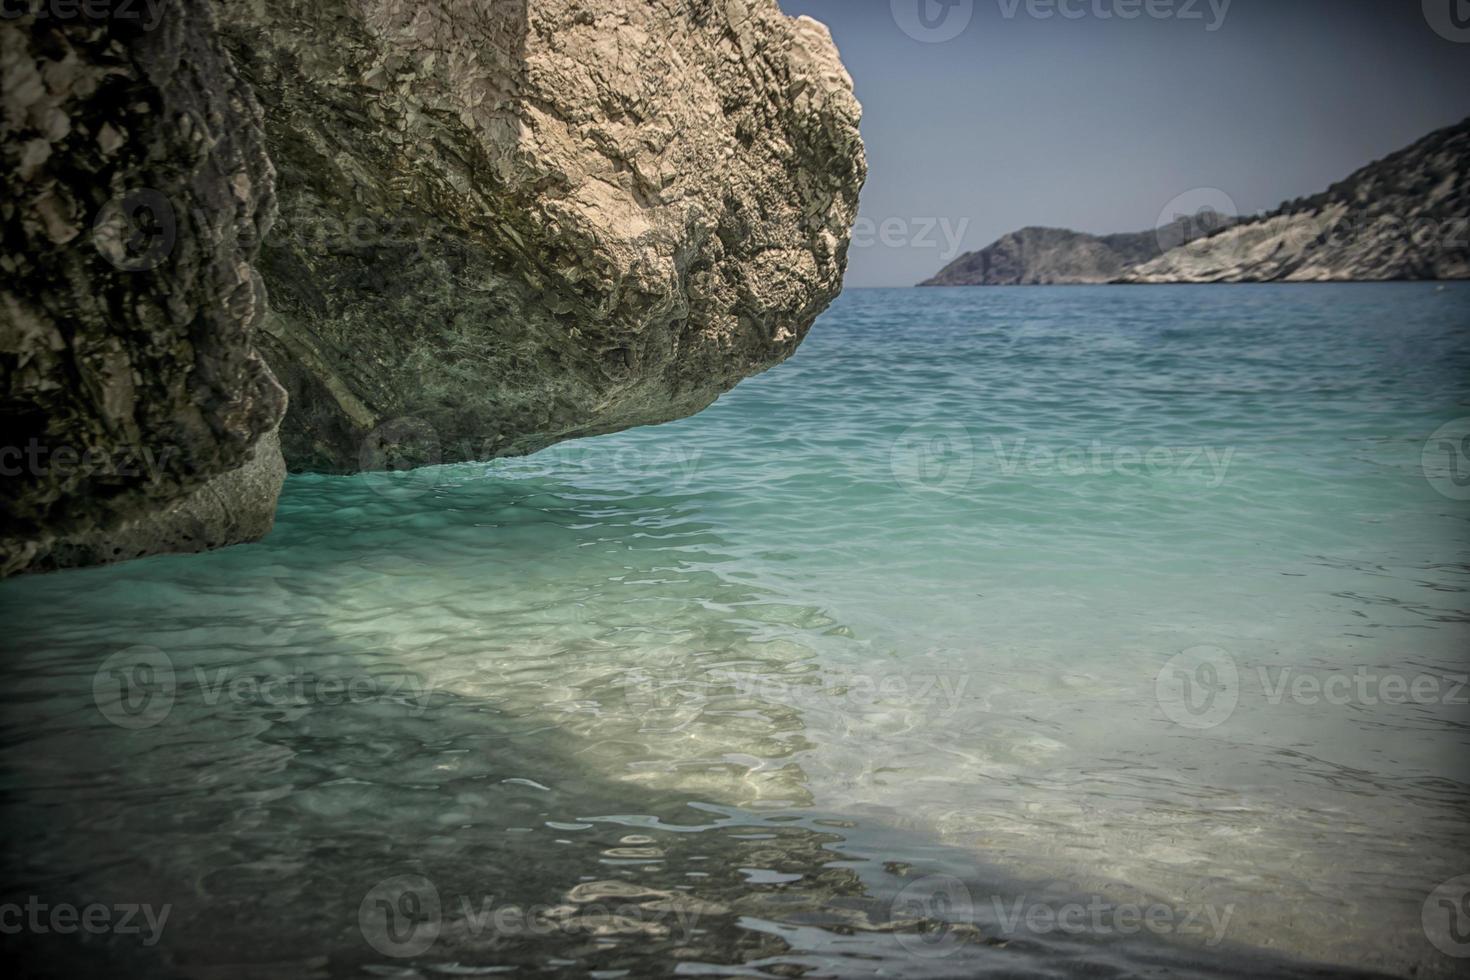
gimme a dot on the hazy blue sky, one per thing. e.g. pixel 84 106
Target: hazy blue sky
pixel 1097 122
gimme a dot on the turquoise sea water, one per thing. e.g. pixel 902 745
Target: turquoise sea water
pixel 1033 630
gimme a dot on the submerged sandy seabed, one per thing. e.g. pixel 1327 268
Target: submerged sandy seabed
pixel 988 684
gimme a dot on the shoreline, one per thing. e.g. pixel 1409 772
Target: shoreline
pixel 1179 282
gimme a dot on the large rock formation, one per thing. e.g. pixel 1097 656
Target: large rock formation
pixel 1405 217
pixel 506 223
pixel 511 222
pixel 137 190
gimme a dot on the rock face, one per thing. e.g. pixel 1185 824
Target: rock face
pixel 238 505
pixel 137 190
pixel 506 223
pixel 1404 217
pixel 1042 256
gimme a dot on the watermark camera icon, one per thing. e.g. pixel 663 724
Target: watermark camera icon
pixel 1199 688
pixel 1446 459
pixel 933 21
pixel 136 231
pixel 1446 917
pixel 396 458
pixel 667 696
pixel 401 916
pixel 934 457
pixel 135 688
pixel 1190 219
pixel 942 904
pixel 1450 19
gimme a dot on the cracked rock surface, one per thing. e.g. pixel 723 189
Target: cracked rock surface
pixel 137 190
pixel 505 223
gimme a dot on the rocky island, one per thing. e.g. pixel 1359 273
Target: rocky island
pixel 1046 256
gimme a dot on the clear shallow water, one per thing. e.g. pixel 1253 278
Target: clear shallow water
pixel 989 606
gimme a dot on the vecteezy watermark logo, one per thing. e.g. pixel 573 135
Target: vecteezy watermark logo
pixel 1361 686
pixel 938 694
pixel 1199 688
pixel 932 21
pixel 667 694
pixel 38 459
pixel 1191 218
pixel 1446 917
pixel 395 457
pixel 593 459
pixel 940 906
pixel 933 457
pixel 401 916
pixel 404 916
pixel 1098 916
pixel 41 918
pixel 1122 10
pixel 943 457
pixel 135 688
pixel 1449 18
pixel 318 233
pixel 1446 459
pixel 138 688
pixel 1429 236
pixel 136 231
pixel 1098 459
pixel 93 10
pixel 923 233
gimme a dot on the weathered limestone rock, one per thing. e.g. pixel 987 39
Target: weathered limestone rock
pixel 505 223
pixel 137 190
pixel 236 506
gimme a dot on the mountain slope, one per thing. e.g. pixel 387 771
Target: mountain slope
pixel 1040 256
pixel 1406 216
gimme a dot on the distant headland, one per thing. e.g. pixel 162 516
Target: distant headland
pixel 1406 216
